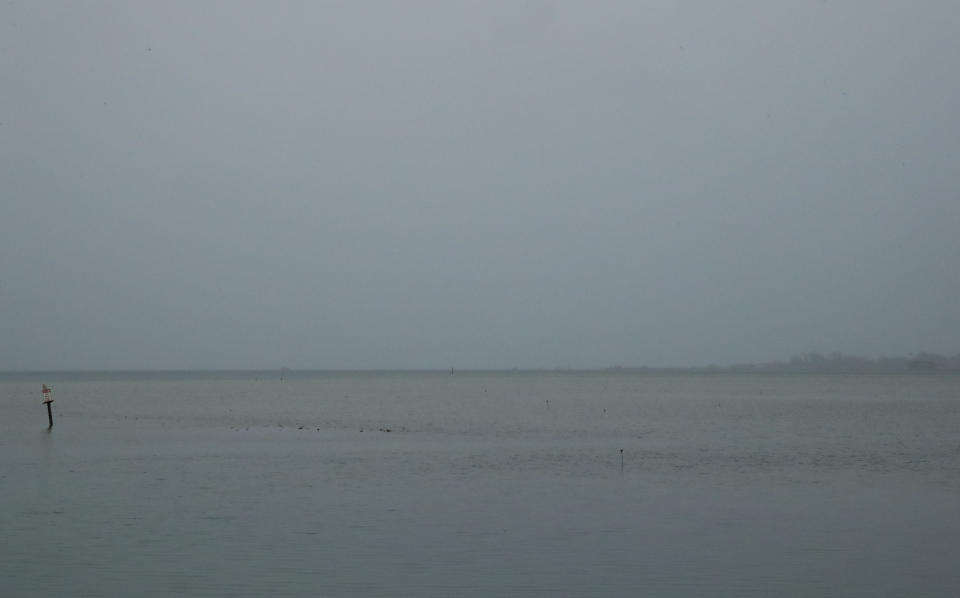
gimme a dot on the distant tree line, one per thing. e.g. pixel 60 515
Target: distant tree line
pixel 840 362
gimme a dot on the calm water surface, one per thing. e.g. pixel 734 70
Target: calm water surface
pixel 486 484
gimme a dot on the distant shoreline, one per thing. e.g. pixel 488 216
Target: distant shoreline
pixel 813 363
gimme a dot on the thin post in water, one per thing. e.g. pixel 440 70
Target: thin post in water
pixel 48 401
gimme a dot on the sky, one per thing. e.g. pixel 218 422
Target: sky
pixel 487 184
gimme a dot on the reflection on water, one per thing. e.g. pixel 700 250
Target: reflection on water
pixel 486 484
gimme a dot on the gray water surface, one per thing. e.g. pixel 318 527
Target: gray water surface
pixel 486 484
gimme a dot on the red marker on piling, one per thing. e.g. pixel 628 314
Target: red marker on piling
pixel 47 399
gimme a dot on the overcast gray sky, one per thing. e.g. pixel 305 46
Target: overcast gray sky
pixel 476 184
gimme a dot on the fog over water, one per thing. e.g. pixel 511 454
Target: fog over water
pixel 547 483
pixel 496 184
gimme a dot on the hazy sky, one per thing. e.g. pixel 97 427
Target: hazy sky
pixel 476 184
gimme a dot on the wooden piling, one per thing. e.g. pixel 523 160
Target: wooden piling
pixel 48 399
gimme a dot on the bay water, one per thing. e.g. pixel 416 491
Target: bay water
pixel 510 483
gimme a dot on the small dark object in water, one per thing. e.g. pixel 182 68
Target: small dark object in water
pixel 49 413
pixel 47 399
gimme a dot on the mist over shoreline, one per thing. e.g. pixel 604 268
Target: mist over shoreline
pixel 802 363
